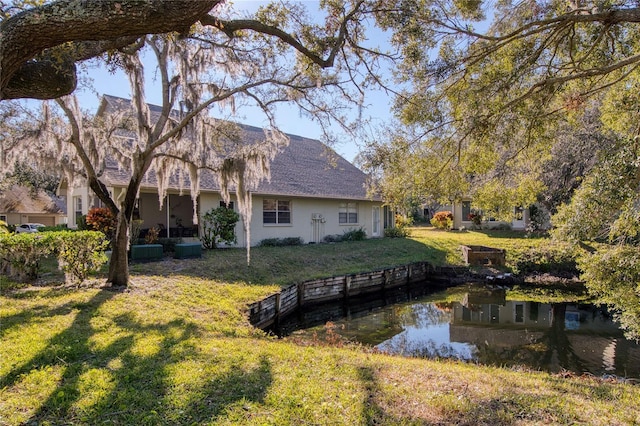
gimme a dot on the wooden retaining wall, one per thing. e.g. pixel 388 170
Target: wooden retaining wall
pixel 269 310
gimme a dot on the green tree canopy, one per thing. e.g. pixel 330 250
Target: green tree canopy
pixel 493 87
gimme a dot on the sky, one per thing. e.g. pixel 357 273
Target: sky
pixel 376 103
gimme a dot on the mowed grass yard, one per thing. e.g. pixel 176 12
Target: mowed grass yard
pixel 176 348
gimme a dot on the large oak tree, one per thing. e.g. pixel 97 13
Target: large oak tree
pixel 205 56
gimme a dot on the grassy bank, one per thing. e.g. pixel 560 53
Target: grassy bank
pixel 177 349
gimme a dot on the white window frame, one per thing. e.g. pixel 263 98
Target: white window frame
pixel 77 208
pixel 283 217
pixel 348 213
pixel 77 203
pixel 465 206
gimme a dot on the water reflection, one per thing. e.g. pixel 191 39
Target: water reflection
pixel 487 328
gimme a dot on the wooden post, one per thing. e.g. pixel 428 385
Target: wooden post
pixel 276 316
pixel 347 286
pixel 301 288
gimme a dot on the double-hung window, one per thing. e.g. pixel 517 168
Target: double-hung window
pixel 276 212
pixel 348 213
pixel 77 205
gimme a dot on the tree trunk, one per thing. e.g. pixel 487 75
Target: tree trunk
pixel 119 264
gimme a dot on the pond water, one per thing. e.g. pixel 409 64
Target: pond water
pixel 485 326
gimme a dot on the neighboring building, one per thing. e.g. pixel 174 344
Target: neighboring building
pixel 18 204
pixel 313 193
pixel 462 211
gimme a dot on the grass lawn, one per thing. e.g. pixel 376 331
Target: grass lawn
pixel 176 348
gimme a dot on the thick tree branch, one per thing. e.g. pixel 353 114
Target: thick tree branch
pixel 92 27
pixel 230 28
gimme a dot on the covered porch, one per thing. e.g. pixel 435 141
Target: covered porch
pixel 174 220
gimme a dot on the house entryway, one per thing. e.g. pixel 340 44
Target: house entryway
pixel 375 226
pixel 519 222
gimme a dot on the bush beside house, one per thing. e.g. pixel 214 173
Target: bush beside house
pixel 442 220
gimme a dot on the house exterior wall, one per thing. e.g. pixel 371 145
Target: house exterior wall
pixel 12 218
pixel 73 194
pixel 311 218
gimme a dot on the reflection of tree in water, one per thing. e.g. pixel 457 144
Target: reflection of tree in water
pixel 559 350
pixel 422 315
pixel 552 351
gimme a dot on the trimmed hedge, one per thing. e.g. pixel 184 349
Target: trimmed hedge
pixel 281 242
pixel 78 253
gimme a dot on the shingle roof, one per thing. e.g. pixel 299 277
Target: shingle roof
pixel 305 168
pixel 20 199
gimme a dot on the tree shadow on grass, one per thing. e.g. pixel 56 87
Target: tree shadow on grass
pixel 238 384
pixel 67 346
pixel 132 373
pixel 7 323
pixel 485 412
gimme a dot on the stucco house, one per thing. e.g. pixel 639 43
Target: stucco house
pixel 461 217
pixel 313 192
pixel 462 213
pixel 18 204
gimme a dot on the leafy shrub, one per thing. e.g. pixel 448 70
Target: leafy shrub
pixel 539 219
pixel 403 221
pixel 4 228
pixel 332 238
pixel 396 232
pixel 219 226
pixel 349 235
pixel 612 274
pixel 354 234
pixel 81 223
pixel 558 258
pixel 169 244
pixel 152 235
pixel 80 253
pixel 21 254
pixel 281 242
pixel 103 220
pixel 135 229
pixel 442 220
pixel 57 228
pixel 502 227
pixel 476 218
